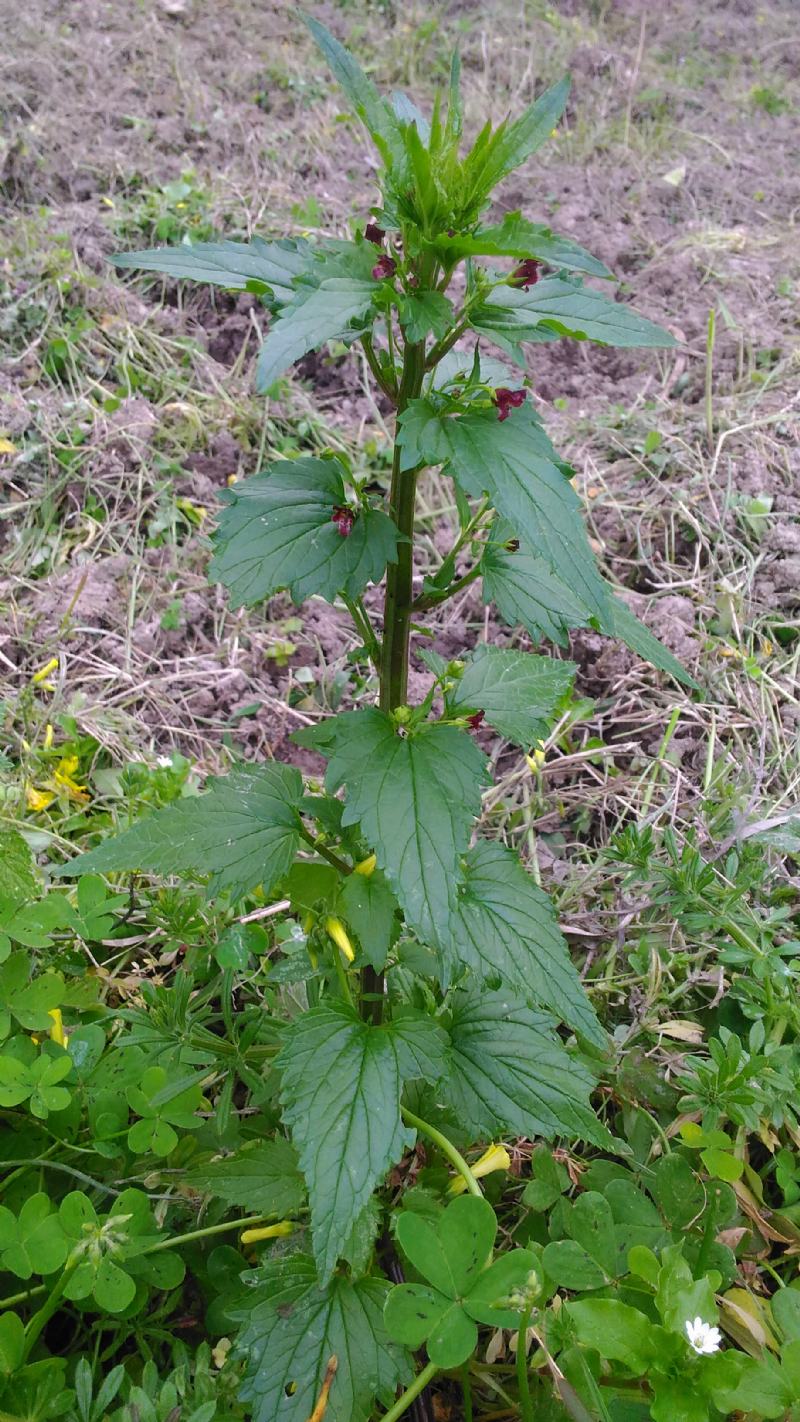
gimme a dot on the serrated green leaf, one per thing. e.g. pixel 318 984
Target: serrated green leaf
pixel 424 313
pixel 244 831
pixel 509 1072
pixel 276 531
pixel 342 1080
pixel 314 315
pixel 515 236
pixel 228 264
pixel 527 593
pixel 497 153
pixel 517 691
pixel 514 463
pixel 292 1328
pixel 505 928
pixel 571 309
pixel 415 798
pixel 373 110
pixel 620 622
pixel 370 908
pixel 18 880
pixel 263 1177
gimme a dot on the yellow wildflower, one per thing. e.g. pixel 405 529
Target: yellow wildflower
pixel 43 673
pixel 38 800
pixel 48 736
pixel 495 1157
pixel 57 1033
pixel 337 931
pixel 275 1231
pixel 536 759
pixel 367 866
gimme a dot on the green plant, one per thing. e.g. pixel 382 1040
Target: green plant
pixel 418 991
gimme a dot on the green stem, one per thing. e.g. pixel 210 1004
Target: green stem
pixel 340 864
pixel 434 599
pixel 523 1379
pixel 42 1317
pixel 372 360
pixel 399 577
pixel 205 1233
pixel 364 628
pixel 417 1386
pixel 447 1148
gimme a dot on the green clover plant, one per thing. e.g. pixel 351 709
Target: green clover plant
pixel 427 978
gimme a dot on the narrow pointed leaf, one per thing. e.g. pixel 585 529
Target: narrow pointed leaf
pixel 512 143
pixel 276 531
pixel 315 315
pixel 243 832
pixel 518 691
pixel 509 1072
pixel 571 309
pixel 342 1080
pixel 622 623
pixel 415 798
pixel 228 264
pixel 505 929
pixel 373 110
pixel 292 1327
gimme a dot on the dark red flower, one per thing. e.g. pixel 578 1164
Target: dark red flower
pixel 344 518
pixel 475 720
pixel 374 233
pixel 384 267
pixel 506 400
pixel 527 273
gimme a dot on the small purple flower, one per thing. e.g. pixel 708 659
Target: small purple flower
pixel 506 400
pixel 374 233
pixel 343 518
pixel 527 273
pixel 384 267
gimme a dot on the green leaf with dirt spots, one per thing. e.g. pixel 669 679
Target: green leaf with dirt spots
pixel 569 309
pixel 517 691
pixel 505 929
pixel 243 832
pixel 237 266
pixel 277 531
pixel 292 1327
pixel 415 798
pixel 509 1072
pixel 342 1080
pixel 18 881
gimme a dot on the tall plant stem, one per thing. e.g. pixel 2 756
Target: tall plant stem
pixel 399 578
pixel 397 607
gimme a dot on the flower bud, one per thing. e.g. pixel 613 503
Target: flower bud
pixel 402 715
pixel 475 720
pixel 367 866
pixel 526 274
pixel 274 1231
pixel 506 399
pixel 374 233
pixel 384 267
pixel 337 931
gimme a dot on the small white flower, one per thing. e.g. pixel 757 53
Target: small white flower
pixel 165 761
pixel 703 1337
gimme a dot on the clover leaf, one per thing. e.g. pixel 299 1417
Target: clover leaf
pixel 161 1106
pixel 463 1286
pixel 33 1242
